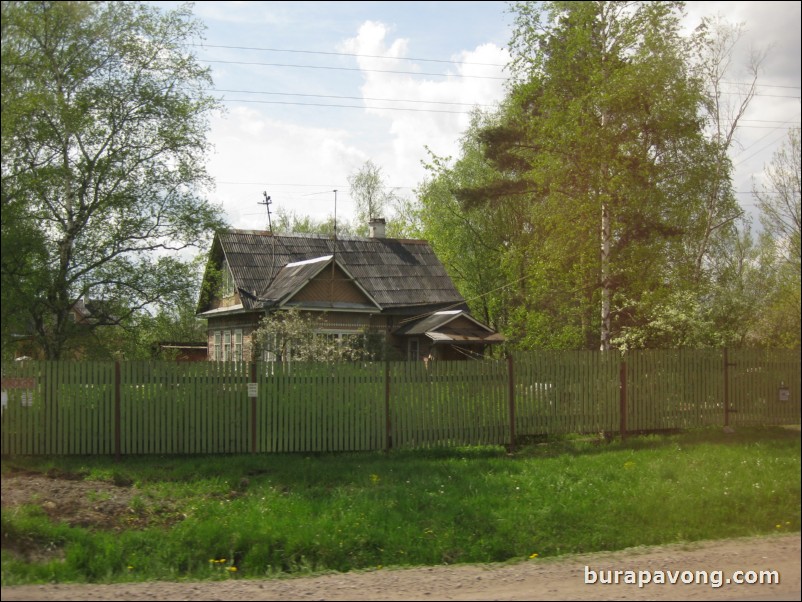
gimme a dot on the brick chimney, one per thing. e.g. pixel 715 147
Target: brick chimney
pixel 377 227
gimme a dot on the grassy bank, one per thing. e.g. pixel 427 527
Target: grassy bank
pixel 256 516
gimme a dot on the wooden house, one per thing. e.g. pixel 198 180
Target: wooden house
pixel 394 287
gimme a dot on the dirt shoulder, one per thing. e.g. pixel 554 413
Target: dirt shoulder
pixel 558 579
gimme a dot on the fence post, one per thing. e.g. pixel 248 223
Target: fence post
pixel 117 412
pixel 511 399
pixel 622 379
pixel 253 410
pixel 51 396
pixel 726 388
pixel 388 441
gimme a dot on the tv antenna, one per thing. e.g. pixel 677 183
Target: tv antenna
pixel 267 202
pixel 334 249
pixel 335 215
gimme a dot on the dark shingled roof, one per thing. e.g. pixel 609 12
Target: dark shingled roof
pixel 440 327
pixel 396 273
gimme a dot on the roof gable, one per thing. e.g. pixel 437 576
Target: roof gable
pixel 455 319
pixel 453 326
pixel 320 282
pixel 292 277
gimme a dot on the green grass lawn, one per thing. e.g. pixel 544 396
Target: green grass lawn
pixel 268 515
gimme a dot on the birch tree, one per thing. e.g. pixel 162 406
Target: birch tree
pixel 603 134
pixel 104 118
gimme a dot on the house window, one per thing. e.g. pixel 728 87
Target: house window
pixel 340 337
pixel 227 281
pixel 226 345
pixel 216 347
pixel 237 347
pixel 413 350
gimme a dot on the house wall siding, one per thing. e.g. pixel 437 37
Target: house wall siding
pixel 461 323
pixel 324 288
pixel 331 321
pixel 246 323
pixel 230 301
pixel 353 321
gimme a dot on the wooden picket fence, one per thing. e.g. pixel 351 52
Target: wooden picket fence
pixel 65 408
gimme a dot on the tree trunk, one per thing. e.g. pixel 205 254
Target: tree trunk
pixel 605 279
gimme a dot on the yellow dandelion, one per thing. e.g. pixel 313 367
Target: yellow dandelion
pixel 533 555
pixel 232 569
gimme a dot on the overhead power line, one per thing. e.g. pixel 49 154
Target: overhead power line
pixel 360 69
pixel 758 127
pixel 352 54
pixel 323 104
pixel 352 69
pixel 410 100
pixel 434 102
pixel 427 60
pixel 341 106
pixel 759 85
pixel 763 148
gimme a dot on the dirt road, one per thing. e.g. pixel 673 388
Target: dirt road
pixel 559 579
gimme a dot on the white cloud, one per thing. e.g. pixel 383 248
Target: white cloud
pixel 370 43
pixel 448 99
pixel 254 153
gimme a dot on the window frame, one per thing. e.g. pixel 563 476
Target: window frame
pixel 217 345
pixel 226 281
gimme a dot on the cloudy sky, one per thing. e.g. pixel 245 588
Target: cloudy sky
pixel 314 89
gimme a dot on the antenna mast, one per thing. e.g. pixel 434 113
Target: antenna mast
pixel 267 202
pixel 335 215
pixel 334 252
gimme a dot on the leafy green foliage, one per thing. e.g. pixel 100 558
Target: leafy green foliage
pixel 595 209
pixel 781 250
pixel 104 119
pixel 469 240
pixel 369 192
pixel 289 335
pixel 779 201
